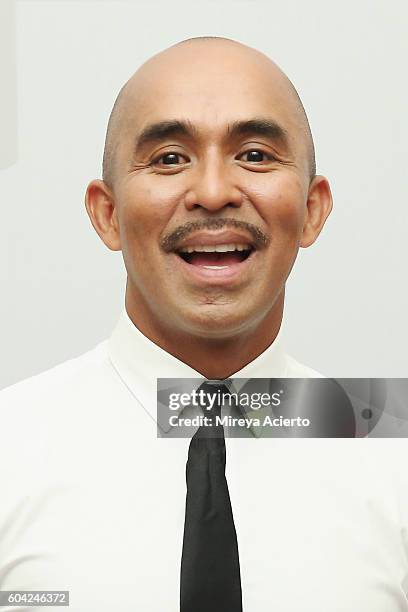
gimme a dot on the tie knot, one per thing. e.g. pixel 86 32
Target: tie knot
pixel 211 397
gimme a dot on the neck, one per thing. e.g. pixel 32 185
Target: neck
pixel 214 358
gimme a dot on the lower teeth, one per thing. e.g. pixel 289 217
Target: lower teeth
pixel 215 267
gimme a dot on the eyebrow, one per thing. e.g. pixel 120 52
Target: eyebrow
pixel 161 130
pixel 260 126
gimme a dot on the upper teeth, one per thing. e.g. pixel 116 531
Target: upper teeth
pixel 219 248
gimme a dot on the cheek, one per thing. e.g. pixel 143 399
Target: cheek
pixel 144 211
pixel 280 200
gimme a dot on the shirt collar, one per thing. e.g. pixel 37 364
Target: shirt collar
pixel 139 362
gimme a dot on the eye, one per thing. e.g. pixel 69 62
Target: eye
pixel 255 156
pixel 170 159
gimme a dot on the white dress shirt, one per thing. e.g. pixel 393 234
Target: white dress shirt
pixel 92 500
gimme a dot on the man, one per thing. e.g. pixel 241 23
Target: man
pixel 209 189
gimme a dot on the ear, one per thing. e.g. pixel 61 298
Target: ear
pixel 319 205
pixel 102 212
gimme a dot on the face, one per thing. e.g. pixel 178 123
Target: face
pixel 212 196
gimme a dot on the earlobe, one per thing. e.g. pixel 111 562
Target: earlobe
pixel 102 212
pixel 319 205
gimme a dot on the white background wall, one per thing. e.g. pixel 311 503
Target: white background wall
pixel 347 297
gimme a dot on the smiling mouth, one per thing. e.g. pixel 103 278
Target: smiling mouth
pixel 216 257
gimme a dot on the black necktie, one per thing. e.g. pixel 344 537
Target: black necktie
pixel 210 575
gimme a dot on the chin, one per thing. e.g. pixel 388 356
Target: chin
pixel 218 321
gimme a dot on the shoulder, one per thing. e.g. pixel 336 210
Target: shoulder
pixel 56 381
pixel 47 422
pixel 46 419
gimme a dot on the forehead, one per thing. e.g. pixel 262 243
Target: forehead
pixel 210 86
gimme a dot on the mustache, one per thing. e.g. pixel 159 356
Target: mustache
pixel 170 241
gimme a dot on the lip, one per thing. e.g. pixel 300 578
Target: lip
pixel 206 238
pixel 230 274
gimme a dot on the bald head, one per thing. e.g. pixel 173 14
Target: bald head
pixel 195 56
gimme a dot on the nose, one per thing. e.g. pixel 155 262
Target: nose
pixel 212 186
